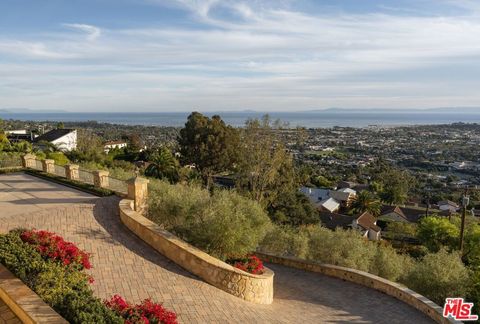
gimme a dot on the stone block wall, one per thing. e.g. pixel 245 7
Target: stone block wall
pixel 250 287
pixel 390 288
pixel 23 302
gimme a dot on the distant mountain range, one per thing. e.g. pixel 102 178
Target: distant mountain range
pixel 397 110
pixel 30 111
pixel 456 110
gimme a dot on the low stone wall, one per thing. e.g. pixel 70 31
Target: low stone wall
pixel 390 288
pixel 250 287
pixel 23 302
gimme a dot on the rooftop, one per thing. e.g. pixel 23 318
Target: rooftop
pixel 53 135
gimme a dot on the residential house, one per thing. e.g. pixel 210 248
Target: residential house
pixel 63 139
pixel 19 135
pixel 114 145
pixel 328 204
pixel 315 194
pixel 345 196
pixel 392 213
pixel 366 223
pixel 346 184
pixel 333 220
pixel 329 200
pixel 447 205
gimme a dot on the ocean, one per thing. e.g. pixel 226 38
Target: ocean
pixel 316 119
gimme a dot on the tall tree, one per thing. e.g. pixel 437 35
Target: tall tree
pixel 210 144
pixel 163 165
pixel 395 185
pixel 435 232
pixel 265 168
pixel 365 201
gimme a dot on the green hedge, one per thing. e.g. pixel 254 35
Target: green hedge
pixel 102 192
pixel 10 170
pixel 65 289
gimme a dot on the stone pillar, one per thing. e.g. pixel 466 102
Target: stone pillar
pixel 138 192
pixel 71 171
pixel 48 166
pixel 28 161
pixel 100 179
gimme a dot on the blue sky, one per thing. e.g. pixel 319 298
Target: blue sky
pixel 270 55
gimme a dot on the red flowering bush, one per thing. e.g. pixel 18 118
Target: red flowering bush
pixel 250 263
pixel 147 312
pixel 54 247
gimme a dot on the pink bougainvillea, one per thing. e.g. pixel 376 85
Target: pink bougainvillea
pixel 54 247
pixel 147 312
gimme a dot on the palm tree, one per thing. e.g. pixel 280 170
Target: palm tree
pixel 163 165
pixel 366 201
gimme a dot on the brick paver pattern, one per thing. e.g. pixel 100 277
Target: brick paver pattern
pixel 6 315
pixel 125 265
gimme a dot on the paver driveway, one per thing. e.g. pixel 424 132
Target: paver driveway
pixel 124 265
pixel 7 316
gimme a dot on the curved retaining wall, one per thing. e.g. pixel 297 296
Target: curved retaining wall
pixel 250 287
pixel 390 288
pixel 23 302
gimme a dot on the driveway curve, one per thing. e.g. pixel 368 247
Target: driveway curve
pixel 125 265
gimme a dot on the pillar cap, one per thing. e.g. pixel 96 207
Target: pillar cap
pixel 49 161
pixel 72 166
pixel 29 156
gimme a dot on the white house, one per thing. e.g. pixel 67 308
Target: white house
pixel 315 194
pixel 63 139
pixel 448 205
pixel 329 200
pixel 329 204
pixel 344 195
pixel 19 135
pixel 114 145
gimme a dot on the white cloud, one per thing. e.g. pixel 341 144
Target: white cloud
pixel 271 57
pixel 92 32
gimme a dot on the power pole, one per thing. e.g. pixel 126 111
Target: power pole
pixel 465 202
pixel 427 196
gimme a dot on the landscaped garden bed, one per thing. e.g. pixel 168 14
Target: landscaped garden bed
pixel 88 188
pixel 55 270
pixel 224 224
pixel 251 264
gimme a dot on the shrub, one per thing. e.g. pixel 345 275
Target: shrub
pixel 435 232
pixel 10 159
pixel 439 275
pixel 58 157
pixel 65 289
pixel 68 292
pixel 223 224
pixel 102 192
pixel 285 241
pixel 250 263
pixel 54 247
pixel 145 312
pixel 389 264
pixel 20 258
pixel 345 248
pixel 341 247
pixel 474 294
